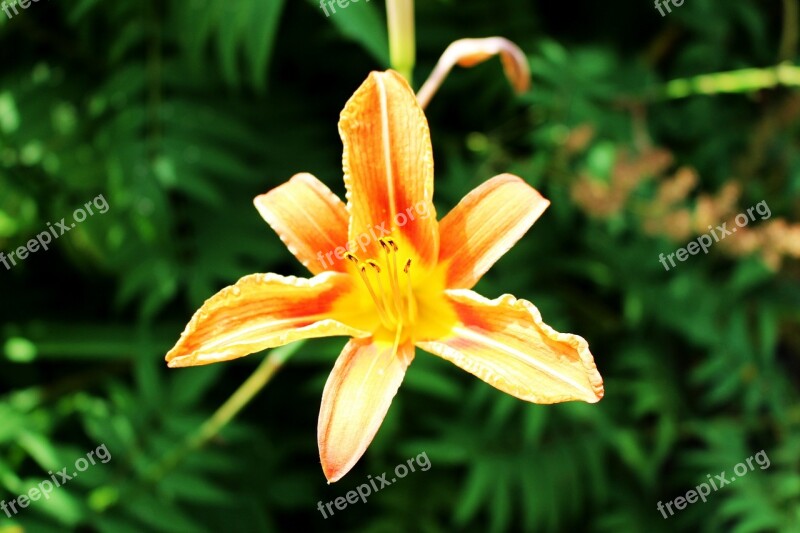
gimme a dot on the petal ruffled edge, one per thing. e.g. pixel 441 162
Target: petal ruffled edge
pixel 505 343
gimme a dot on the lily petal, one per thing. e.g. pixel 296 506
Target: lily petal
pixel 388 165
pixel 356 398
pixel 485 225
pixel 505 343
pixel 309 219
pixel 262 311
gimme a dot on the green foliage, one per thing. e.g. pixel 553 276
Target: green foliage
pixel 179 113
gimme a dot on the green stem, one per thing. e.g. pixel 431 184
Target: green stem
pixel 402 48
pixel 737 81
pixel 227 411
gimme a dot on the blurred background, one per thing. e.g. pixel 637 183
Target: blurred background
pixel 178 113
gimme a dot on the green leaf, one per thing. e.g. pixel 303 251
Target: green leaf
pixel 362 23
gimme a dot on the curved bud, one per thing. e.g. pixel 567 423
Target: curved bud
pixel 470 52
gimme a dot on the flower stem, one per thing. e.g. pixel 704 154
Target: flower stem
pixel 737 81
pixel 227 411
pixel 402 47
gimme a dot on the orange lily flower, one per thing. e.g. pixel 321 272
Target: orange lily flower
pixel 391 276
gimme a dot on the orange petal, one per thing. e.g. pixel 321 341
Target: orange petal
pixel 357 396
pixel 309 219
pixel 485 225
pixel 262 311
pixel 505 343
pixel 388 166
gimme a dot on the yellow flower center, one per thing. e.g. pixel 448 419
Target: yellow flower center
pixel 396 298
pixel 390 291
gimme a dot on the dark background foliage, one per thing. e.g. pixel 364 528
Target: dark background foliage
pixel 180 112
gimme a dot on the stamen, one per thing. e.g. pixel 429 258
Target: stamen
pixel 397 309
pixel 395 346
pixel 387 307
pixel 391 263
pixel 378 302
pixel 410 303
pixel 396 341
